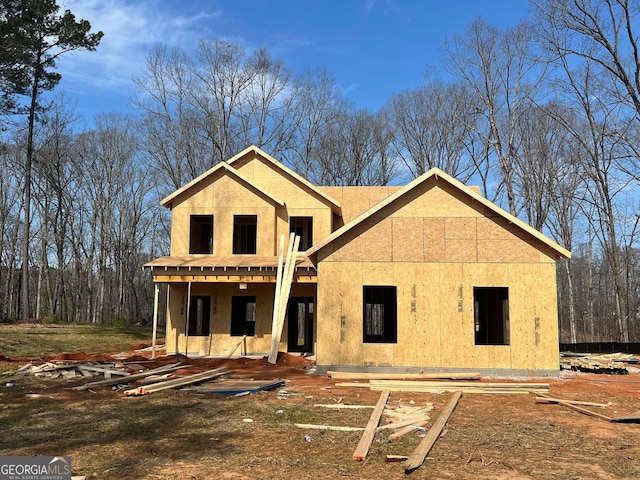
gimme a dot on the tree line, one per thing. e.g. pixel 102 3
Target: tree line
pixel 543 116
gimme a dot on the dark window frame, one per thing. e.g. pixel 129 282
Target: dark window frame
pixel 201 234
pixel 245 234
pixel 491 315
pixel 243 315
pixel 199 327
pixel 379 314
pixel 303 227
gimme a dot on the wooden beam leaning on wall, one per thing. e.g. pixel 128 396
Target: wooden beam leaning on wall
pixel 282 296
pixel 422 450
pixel 367 437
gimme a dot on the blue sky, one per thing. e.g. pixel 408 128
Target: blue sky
pixel 374 48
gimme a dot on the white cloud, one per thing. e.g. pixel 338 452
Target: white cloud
pixel 131 30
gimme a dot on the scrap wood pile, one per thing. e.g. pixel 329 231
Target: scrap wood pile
pixel 145 377
pixel 609 363
pixel 75 368
pixel 402 420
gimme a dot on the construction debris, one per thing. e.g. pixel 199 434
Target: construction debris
pixel 610 363
pixel 177 382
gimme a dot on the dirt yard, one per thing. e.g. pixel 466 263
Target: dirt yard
pixel 189 435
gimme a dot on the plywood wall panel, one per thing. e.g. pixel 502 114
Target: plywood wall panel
pixel 461 251
pixel 339 314
pixel 419 336
pixel 408 239
pixel 534 324
pixel 372 241
pixel 434 241
pixel 460 228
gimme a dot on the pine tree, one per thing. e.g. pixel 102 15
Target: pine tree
pixel 33 36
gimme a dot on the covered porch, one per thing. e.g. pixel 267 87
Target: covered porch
pixel 224 306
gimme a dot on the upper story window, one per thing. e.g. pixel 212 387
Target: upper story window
pixel 303 227
pixel 201 234
pixel 491 315
pixel 245 232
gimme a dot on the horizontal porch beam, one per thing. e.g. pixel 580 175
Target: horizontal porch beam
pixel 229 279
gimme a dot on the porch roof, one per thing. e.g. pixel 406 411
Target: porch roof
pixel 233 262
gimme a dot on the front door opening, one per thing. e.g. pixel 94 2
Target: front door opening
pixel 300 321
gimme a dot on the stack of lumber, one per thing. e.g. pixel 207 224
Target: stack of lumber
pixel 402 376
pixel 427 386
pixel 72 369
pixel 612 363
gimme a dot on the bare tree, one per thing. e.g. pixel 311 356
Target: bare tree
pixel 433 125
pixel 505 71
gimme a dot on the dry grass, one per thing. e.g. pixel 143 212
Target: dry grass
pixel 179 434
pixel 37 340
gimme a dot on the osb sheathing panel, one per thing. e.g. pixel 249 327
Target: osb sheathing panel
pixel 355 200
pixel 431 200
pixel 434 244
pixel 534 322
pixel 273 180
pixel 370 241
pixel 339 314
pixel 223 199
pixel 435 315
pixel 408 239
pixel 419 331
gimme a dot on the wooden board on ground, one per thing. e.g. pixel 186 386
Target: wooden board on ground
pixel 367 437
pixel 131 378
pixel 402 376
pixel 628 418
pixel 235 387
pixel 422 450
pixel 177 382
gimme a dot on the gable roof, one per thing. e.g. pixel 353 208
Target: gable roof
pixel 168 200
pixel 334 204
pixel 438 174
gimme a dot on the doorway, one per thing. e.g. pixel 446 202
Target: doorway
pixel 300 315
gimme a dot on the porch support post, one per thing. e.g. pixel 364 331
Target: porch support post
pixel 155 320
pixel 186 327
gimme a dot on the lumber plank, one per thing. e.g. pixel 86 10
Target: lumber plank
pixel 405 422
pixel 342 406
pixel 177 382
pixel 337 428
pixel 582 410
pixel 278 289
pixel 131 378
pixel 367 437
pixel 287 279
pixel 402 376
pixel 572 402
pixel 110 371
pixel 396 458
pixel 422 450
pixel 405 430
pixel 628 418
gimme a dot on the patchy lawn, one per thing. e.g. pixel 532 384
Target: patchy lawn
pixel 181 434
pixel 36 340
